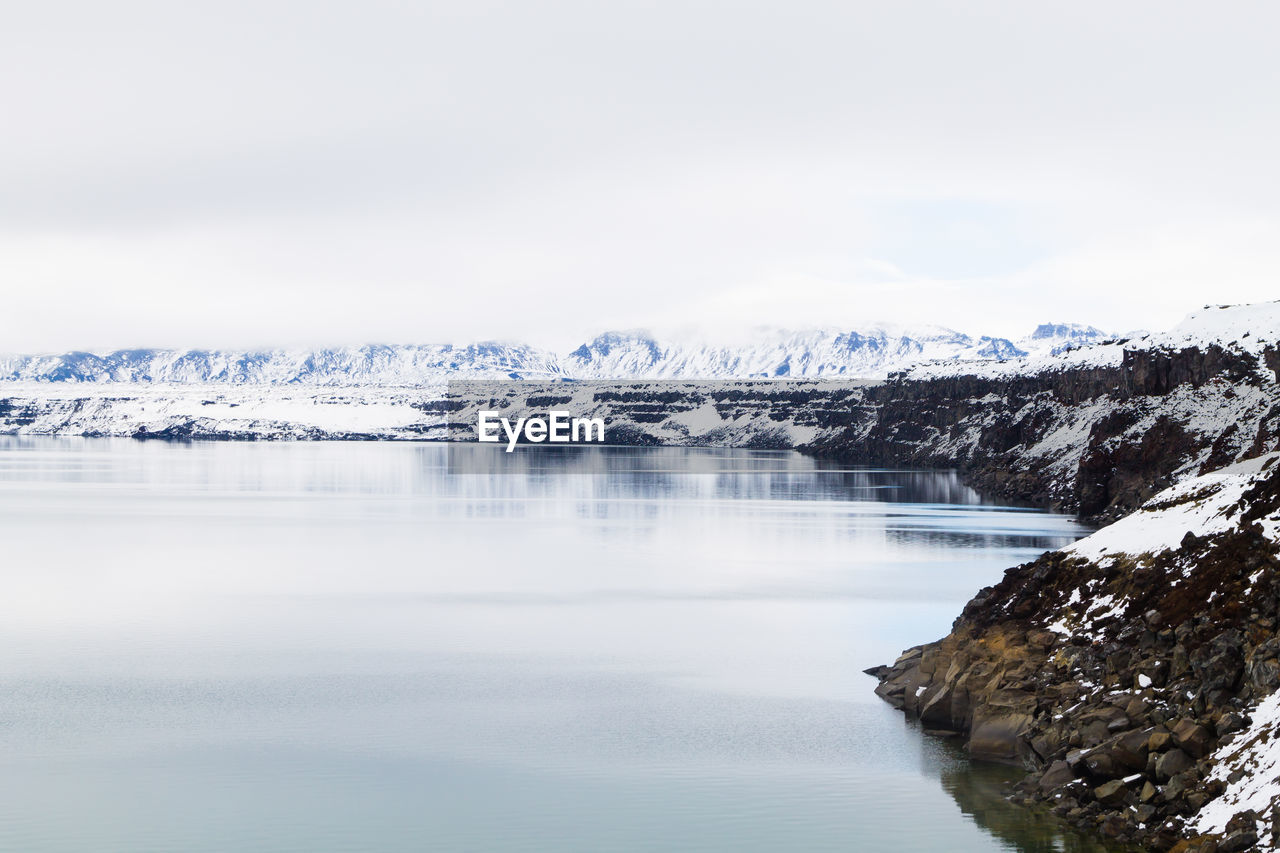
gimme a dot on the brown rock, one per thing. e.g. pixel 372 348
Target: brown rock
pixel 1094 733
pixel 1119 724
pixel 1193 738
pixel 1111 793
pixel 1172 763
pixel 1137 708
pixel 1229 723
pixel 996 736
pixel 1101 764
pixel 1058 774
pixel 1042 640
pixel 1130 750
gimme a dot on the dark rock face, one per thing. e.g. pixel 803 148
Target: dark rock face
pixel 1117 721
pixel 1095 440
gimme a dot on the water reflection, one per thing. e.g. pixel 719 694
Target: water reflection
pixel 981 792
pixel 335 647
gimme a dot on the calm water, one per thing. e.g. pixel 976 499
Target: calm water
pixel 394 647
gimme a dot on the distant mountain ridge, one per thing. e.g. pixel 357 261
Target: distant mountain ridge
pixel 373 364
pixel 869 352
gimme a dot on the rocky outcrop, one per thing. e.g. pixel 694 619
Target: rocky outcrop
pixel 1120 671
pixel 1094 439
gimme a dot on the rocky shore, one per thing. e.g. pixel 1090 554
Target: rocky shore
pixel 1132 674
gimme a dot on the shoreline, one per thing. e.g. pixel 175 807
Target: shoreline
pixel 1124 673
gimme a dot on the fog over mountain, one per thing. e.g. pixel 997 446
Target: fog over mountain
pixel 870 351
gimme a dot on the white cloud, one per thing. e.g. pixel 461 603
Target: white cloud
pixel 289 172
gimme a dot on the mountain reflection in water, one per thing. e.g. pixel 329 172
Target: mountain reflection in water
pixel 338 647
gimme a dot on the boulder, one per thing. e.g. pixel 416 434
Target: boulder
pixel 1129 750
pixel 1138 708
pixel 1172 763
pixel 1238 842
pixel 1101 764
pixel 997 736
pixel 1058 774
pixel 1245 821
pixel 1192 738
pixel 1229 723
pixel 1111 793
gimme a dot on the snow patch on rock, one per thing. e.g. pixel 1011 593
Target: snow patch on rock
pixel 1199 506
pixel 1256 753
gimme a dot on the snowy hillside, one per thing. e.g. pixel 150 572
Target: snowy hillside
pixel 1246 328
pixel 867 353
pixel 1249 327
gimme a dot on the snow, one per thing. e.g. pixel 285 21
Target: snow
pixel 1105 354
pixel 1204 505
pixel 371 365
pixel 1250 327
pixel 244 410
pixel 701 419
pixel 869 351
pixel 1256 751
pixel 1199 505
pixel 385 412
pixel 1247 327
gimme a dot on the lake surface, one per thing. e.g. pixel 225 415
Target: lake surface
pixel 405 647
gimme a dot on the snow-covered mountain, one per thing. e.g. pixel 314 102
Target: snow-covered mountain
pixel 1055 338
pixel 870 352
pixel 378 365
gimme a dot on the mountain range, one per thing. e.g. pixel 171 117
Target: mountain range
pixel 869 352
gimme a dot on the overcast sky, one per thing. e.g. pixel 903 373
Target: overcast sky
pixel 317 172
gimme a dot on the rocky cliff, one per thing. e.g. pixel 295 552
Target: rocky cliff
pixel 1131 672
pixel 1098 439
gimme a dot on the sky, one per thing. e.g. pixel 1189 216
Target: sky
pixel 284 173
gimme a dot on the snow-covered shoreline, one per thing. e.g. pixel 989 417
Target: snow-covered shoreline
pixel 719 413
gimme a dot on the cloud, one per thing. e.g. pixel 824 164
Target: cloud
pixel 293 172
